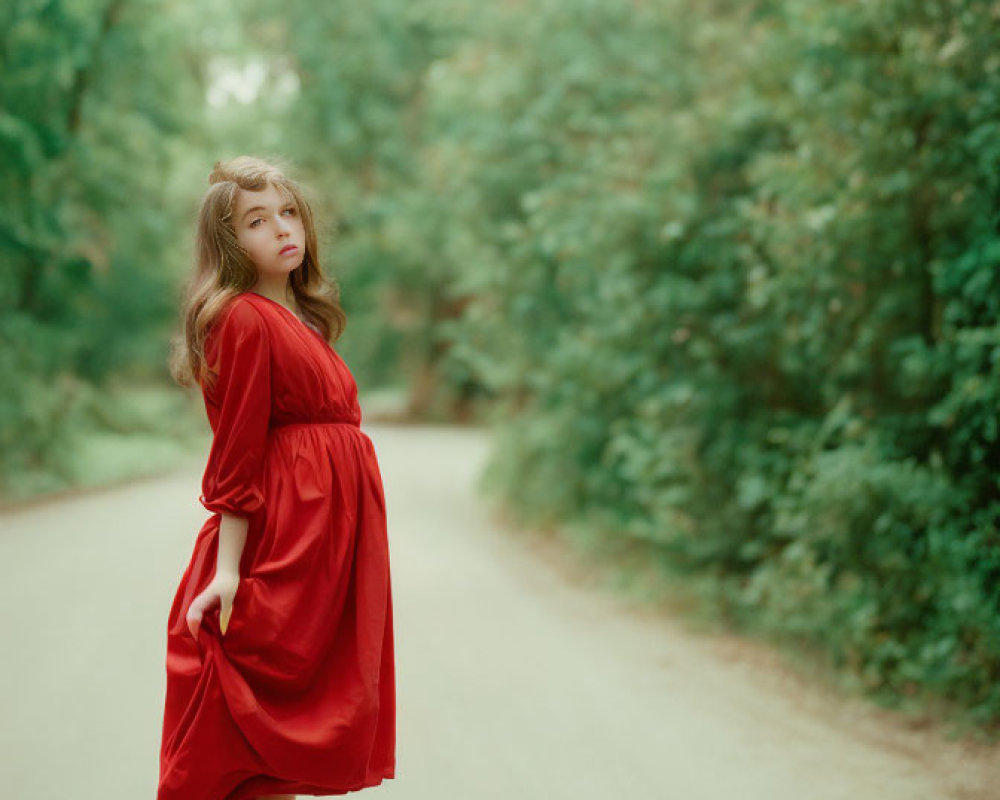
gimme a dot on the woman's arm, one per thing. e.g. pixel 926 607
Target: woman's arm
pixel 225 582
pixel 232 538
pixel 238 402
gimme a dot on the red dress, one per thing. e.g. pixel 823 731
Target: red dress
pixel 298 696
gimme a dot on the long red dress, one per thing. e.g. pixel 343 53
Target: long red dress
pixel 298 696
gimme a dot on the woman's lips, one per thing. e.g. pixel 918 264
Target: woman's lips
pixel 289 249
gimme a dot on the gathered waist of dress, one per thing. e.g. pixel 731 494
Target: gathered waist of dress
pixel 292 424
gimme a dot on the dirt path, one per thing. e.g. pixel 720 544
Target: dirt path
pixel 516 678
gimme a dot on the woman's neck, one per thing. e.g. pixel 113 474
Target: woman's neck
pixel 280 291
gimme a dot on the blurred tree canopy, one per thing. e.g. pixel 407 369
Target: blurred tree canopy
pixel 91 128
pixel 732 283
pixel 724 275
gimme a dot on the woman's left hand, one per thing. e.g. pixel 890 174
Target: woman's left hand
pixel 222 589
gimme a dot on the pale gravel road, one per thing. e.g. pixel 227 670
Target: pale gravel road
pixel 515 681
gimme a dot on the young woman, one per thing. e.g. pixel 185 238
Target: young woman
pixel 280 670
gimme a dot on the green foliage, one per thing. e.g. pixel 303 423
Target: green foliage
pixel 745 308
pixel 88 123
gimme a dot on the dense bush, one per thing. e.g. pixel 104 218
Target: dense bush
pixel 89 124
pixel 734 286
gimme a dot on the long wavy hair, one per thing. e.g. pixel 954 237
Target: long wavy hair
pixel 223 269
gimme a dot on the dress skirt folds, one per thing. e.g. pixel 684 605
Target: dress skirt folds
pixel 298 696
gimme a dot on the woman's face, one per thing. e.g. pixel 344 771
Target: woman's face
pixel 269 227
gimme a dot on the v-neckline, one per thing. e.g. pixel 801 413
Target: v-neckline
pixel 301 322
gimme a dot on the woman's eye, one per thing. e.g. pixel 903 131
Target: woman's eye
pixel 290 210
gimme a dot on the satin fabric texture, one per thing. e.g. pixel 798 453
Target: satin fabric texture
pixel 298 696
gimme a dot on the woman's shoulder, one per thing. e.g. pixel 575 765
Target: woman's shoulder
pixel 241 315
pixel 247 308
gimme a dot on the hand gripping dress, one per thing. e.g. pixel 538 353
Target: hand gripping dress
pixel 298 696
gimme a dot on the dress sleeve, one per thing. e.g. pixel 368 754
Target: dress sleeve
pixel 239 409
